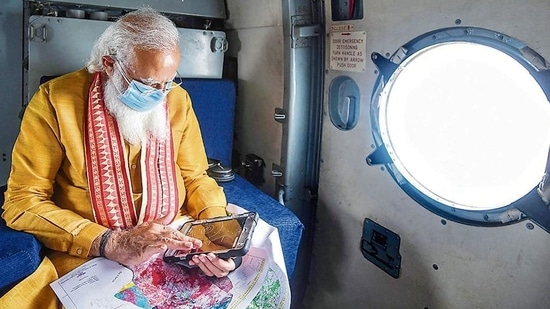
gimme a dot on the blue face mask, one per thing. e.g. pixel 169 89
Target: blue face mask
pixel 141 97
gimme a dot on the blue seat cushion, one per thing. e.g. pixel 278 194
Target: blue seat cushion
pixel 19 254
pixel 242 193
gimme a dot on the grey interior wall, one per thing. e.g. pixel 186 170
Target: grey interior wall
pixel 197 59
pixel 207 8
pixel 11 68
pixel 443 266
pixel 255 36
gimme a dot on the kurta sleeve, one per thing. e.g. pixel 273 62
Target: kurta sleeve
pixel 204 197
pixel 37 160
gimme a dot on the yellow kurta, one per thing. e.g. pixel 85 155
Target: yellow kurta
pixel 47 192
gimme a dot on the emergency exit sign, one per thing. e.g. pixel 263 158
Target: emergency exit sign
pixel 348 51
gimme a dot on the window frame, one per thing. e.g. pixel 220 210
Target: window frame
pixel 531 205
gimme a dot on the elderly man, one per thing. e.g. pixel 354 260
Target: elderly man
pixel 109 155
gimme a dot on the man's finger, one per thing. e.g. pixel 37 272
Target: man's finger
pixel 211 265
pixel 197 243
pixel 153 249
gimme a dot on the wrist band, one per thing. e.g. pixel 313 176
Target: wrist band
pixel 103 242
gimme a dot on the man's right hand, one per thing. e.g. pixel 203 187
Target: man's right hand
pixel 140 243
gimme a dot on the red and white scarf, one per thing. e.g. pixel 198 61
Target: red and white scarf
pixel 108 175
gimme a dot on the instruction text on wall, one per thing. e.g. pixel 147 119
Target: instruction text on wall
pixel 348 51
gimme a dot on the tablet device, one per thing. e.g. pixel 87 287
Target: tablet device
pixel 226 237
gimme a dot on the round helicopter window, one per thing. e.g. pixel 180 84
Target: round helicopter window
pixel 464 122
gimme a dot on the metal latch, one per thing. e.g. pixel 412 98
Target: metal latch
pixel 254 169
pixel 218 45
pixel 38 33
pixel 302 30
pixel 381 246
pixel 280 115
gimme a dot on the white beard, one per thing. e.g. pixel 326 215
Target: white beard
pixel 135 127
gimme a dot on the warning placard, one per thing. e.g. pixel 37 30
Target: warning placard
pixel 348 51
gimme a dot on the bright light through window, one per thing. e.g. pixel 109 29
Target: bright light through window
pixel 466 124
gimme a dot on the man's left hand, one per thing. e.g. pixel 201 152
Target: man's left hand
pixel 212 265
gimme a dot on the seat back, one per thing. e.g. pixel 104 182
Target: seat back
pixel 214 104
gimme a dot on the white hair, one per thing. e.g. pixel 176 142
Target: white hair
pixel 144 29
